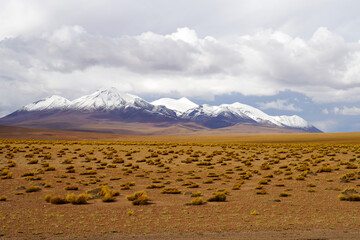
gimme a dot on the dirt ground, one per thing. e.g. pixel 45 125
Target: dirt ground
pixel 272 190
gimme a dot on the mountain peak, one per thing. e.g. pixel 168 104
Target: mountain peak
pixel 105 98
pixel 180 105
pixel 293 121
pixel 113 92
pixel 52 102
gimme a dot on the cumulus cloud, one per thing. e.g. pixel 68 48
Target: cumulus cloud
pixel 19 17
pixel 279 104
pixel 71 61
pixel 328 125
pixel 115 18
pixel 354 111
pixel 324 67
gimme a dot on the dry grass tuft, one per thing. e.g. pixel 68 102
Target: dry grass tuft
pixel 284 194
pixel 197 201
pixel 78 199
pixel 254 212
pixel 72 188
pixel 217 197
pixel 349 194
pixel 104 192
pixel 3 198
pixel 55 199
pixel 196 194
pixel 33 189
pixel 139 198
pixel 170 191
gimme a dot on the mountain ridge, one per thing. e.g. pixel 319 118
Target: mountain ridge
pixel 112 105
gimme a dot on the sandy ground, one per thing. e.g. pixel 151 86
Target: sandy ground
pixel 290 235
pixel 311 211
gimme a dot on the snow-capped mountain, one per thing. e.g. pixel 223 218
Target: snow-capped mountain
pixel 216 116
pixel 122 106
pixel 230 114
pixel 105 99
pixel 50 103
pixel 293 121
pixel 254 113
pixel 111 105
pixel 180 105
pixel 107 104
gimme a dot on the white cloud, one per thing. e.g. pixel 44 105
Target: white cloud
pixel 324 67
pixel 20 18
pixel 325 111
pixel 279 104
pixel 328 125
pixel 128 17
pixel 354 111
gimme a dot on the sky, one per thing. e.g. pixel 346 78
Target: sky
pixel 284 57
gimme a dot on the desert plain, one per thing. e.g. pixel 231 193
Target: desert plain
pixel 68 185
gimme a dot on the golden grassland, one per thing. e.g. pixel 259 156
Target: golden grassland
pixel 179 184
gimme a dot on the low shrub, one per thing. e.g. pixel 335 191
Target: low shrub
pixel 300 178
pixel 325 168
pixel 108 194
pixel 283 194
pixel 155 186
pixel 78 199
pixel 196 194
pixel 170 191
pixel 254 212
pixel 108 197
pixel 34 161
pixel 56 200
pixel 139 198
pixel 217 197
pixel 349 194
pixel 104 192
pixel 48 198
pixel 127 185
pixel 261 192
pixel 26 174
pixel 70 198
pixel 33 189
pixel 197 201
pixel 348 177
pixel 72 188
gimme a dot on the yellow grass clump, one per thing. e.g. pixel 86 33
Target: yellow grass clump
pixel 349 194
pixel 139 198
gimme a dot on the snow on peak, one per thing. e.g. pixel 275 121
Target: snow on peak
pixel 293 121
pixel 261 117
pixel 49 103
pixel 108 99
pixel 254 113
pixel 179 105
pixel 246 111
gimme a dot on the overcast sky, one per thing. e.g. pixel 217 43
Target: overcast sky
pixel 282 56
